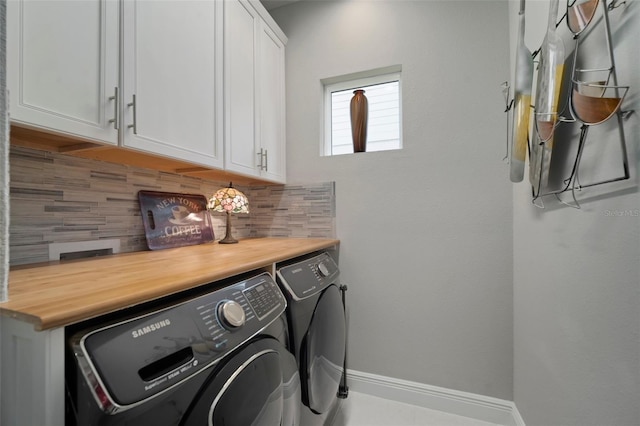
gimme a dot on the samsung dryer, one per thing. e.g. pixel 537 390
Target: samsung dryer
pixel 317 331
pixel 218 358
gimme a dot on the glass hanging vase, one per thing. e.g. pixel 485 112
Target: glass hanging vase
pixel 522 102
pixel 550 72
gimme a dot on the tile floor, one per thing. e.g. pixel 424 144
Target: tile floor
pixel 365 410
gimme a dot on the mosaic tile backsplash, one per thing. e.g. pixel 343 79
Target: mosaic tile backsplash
pixel 56 198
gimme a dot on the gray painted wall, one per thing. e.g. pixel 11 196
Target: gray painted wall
pixel 426 231
pixel 577 272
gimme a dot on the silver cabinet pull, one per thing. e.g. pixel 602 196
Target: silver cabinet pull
pixel 132 104
pixel 259 154
pixel 263 160
pixel 266 161
pixel 116 109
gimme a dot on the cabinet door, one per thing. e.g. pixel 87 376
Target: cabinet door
pixel 62 66
pixel 32 374
pixel 272 105
pixel 241 151
pixel 254 94
pixel 172 53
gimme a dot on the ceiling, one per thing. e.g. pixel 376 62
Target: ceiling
pixel 272 4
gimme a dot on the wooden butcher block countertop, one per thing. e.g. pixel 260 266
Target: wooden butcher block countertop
pixel 58 294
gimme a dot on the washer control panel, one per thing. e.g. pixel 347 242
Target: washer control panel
pixel 263 298
pixel 308 277
pixel 240 310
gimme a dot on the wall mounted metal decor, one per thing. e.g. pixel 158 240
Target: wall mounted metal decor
pixel 594 97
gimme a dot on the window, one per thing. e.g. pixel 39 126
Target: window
pixel 382 89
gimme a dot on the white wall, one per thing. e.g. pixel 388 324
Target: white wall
pixel 576 272
pixel 426 231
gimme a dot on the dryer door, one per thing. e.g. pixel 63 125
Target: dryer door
pixel 324 352
pixel 256 386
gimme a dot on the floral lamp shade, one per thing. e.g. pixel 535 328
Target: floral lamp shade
pixel 228 200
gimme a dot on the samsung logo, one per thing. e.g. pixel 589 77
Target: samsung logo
pixel 150 328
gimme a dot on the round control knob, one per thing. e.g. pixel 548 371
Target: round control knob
pixel 231 314
pixel 323 270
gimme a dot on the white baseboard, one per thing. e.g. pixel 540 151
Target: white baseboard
pixel 465 404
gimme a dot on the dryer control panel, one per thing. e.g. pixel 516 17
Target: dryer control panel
pixel 309 277
pixel 129 362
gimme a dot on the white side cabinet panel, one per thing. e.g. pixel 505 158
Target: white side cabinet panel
pixel 172 53
pixel 32 375
pixel 62 66
pixel 254 93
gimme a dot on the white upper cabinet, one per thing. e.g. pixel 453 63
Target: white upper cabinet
pixel 271 109
pixel 172 68
pixel 201 81
pixel 154 84
pixel 254 53
pixel 62 66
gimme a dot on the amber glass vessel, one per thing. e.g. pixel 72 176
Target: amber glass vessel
pixel 579 14
pixel 594 103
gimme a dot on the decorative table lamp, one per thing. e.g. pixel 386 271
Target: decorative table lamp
pixel 228 200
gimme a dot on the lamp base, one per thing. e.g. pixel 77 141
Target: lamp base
pixel 228 239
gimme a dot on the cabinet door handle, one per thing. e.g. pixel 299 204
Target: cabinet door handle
pixel 132 104
pixel 263 163
pixel 116 109
pixel 266 161
pixel 259 154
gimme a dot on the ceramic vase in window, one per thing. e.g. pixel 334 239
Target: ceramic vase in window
pixel 359 115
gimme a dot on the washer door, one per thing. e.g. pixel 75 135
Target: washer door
pixel 324 352
pixel 250 389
